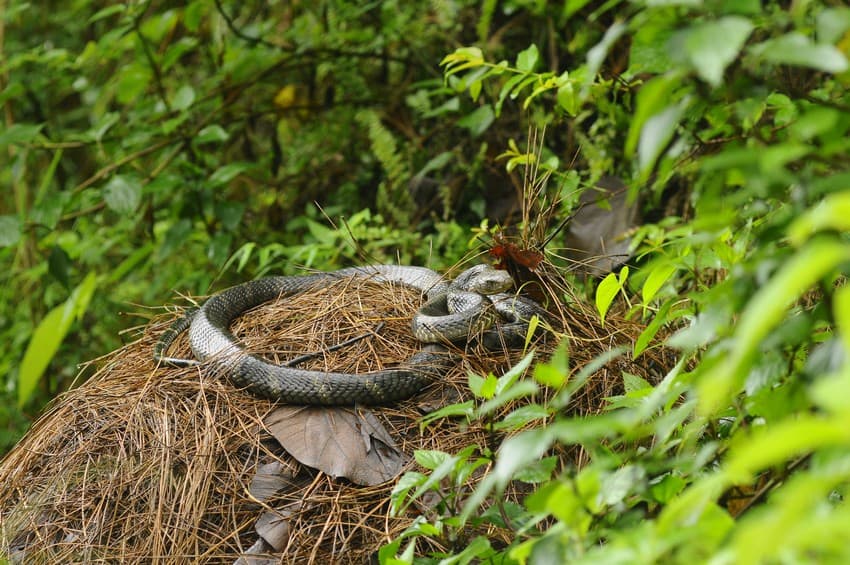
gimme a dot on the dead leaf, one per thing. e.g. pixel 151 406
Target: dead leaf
pixel 269 479
pixel 597 237
pixel 257 554
pixel 340 442
pixel 273 527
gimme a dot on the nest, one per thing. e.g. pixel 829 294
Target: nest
pixel 144 463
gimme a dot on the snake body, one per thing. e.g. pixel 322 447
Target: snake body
pixel 452 312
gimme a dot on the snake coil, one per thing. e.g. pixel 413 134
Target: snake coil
pixel 453 312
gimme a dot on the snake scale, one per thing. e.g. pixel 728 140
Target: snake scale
pixel 453 312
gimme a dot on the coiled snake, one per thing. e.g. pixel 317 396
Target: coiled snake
pixel 453 312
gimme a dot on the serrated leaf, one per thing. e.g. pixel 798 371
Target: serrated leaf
pixel 429 458
pixel 122 194
pixel 634 383
pixel 482 387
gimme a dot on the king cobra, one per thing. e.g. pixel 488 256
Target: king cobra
pixel 453 312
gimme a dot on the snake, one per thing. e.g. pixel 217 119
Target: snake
pixel 453 312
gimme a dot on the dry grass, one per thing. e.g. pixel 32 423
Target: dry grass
pixel 144 464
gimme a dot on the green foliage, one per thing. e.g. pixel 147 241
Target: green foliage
pixel 746 439
pixel 161 148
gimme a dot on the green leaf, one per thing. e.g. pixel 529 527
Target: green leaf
pixel 527 59
pixel 656 133
pixel 183 98
pixel 430 459
pixel 514 373
pixel 225 174
pixel 709 56
pixel 122 194
pixel 763 312
pixel 478 121
pixel 668 487
pixel 605 294
pixel 48 335
pixel 652 99
pixel 634 383
pixel 107 12
pixel 797 49
pixel 522 416
pixel 10 230
pixel 831 213
pixel 482 387
pixel 539 471
pixel 19 133
pixel 649 332
pixel 655 280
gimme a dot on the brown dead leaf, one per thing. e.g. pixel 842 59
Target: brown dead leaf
pixel 598 236
pixel 340 442
pixel 269 479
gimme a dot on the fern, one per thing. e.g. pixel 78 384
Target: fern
pixel 393 199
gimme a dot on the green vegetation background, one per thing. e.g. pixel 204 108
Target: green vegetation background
pixel 150 149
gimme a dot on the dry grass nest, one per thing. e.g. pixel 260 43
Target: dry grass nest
pixel 143 463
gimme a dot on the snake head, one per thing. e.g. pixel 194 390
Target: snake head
pixel 483 279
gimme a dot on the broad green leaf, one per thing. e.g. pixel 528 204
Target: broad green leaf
pixel 655 280
pixel 527 59
pixel 764 311
pixel 710 55
pixel 831 213
pixel 48 335
pixel 133 80
pixel 605 294
pixel 796 49
pixel 122 194
pixel 10 230
pixel 549 376
pixel 832 24
pixel 429 458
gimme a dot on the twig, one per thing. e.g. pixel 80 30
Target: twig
pixel 307 356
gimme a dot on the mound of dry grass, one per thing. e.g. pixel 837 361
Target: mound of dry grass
pixel 144 463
